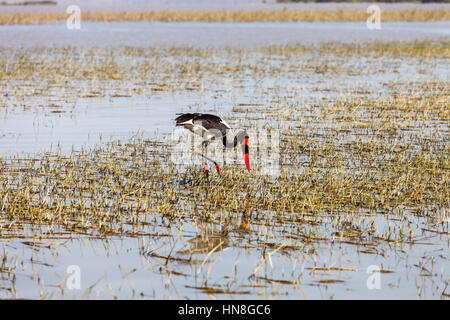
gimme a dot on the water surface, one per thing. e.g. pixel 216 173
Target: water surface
pixel 143 34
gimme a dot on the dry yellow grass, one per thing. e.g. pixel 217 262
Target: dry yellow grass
pixel 229 16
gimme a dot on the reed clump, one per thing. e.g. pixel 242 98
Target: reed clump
pixel 230 16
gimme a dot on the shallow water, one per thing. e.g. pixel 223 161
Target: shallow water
pixel 31 124
pixel 251 35
pixel 85 124
pixel 135 268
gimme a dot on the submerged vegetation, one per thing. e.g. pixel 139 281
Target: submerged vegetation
pixel 230 16
pixel 364 172
pixel 115 189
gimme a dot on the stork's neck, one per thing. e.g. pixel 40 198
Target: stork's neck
pixel 238 138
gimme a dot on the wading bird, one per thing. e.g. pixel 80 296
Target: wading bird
pixel 211 127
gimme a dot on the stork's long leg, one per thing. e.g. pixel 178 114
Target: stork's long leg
pixel 204 146
pixel 197 152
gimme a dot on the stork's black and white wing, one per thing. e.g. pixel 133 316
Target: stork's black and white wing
pixel 207 125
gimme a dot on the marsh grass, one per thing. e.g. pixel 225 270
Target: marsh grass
pixel 68 72
pixel 114 189
pixel 362 172
pixel 230 16
pixel 357 153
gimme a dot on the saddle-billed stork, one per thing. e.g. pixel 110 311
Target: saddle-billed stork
pixel 212 127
